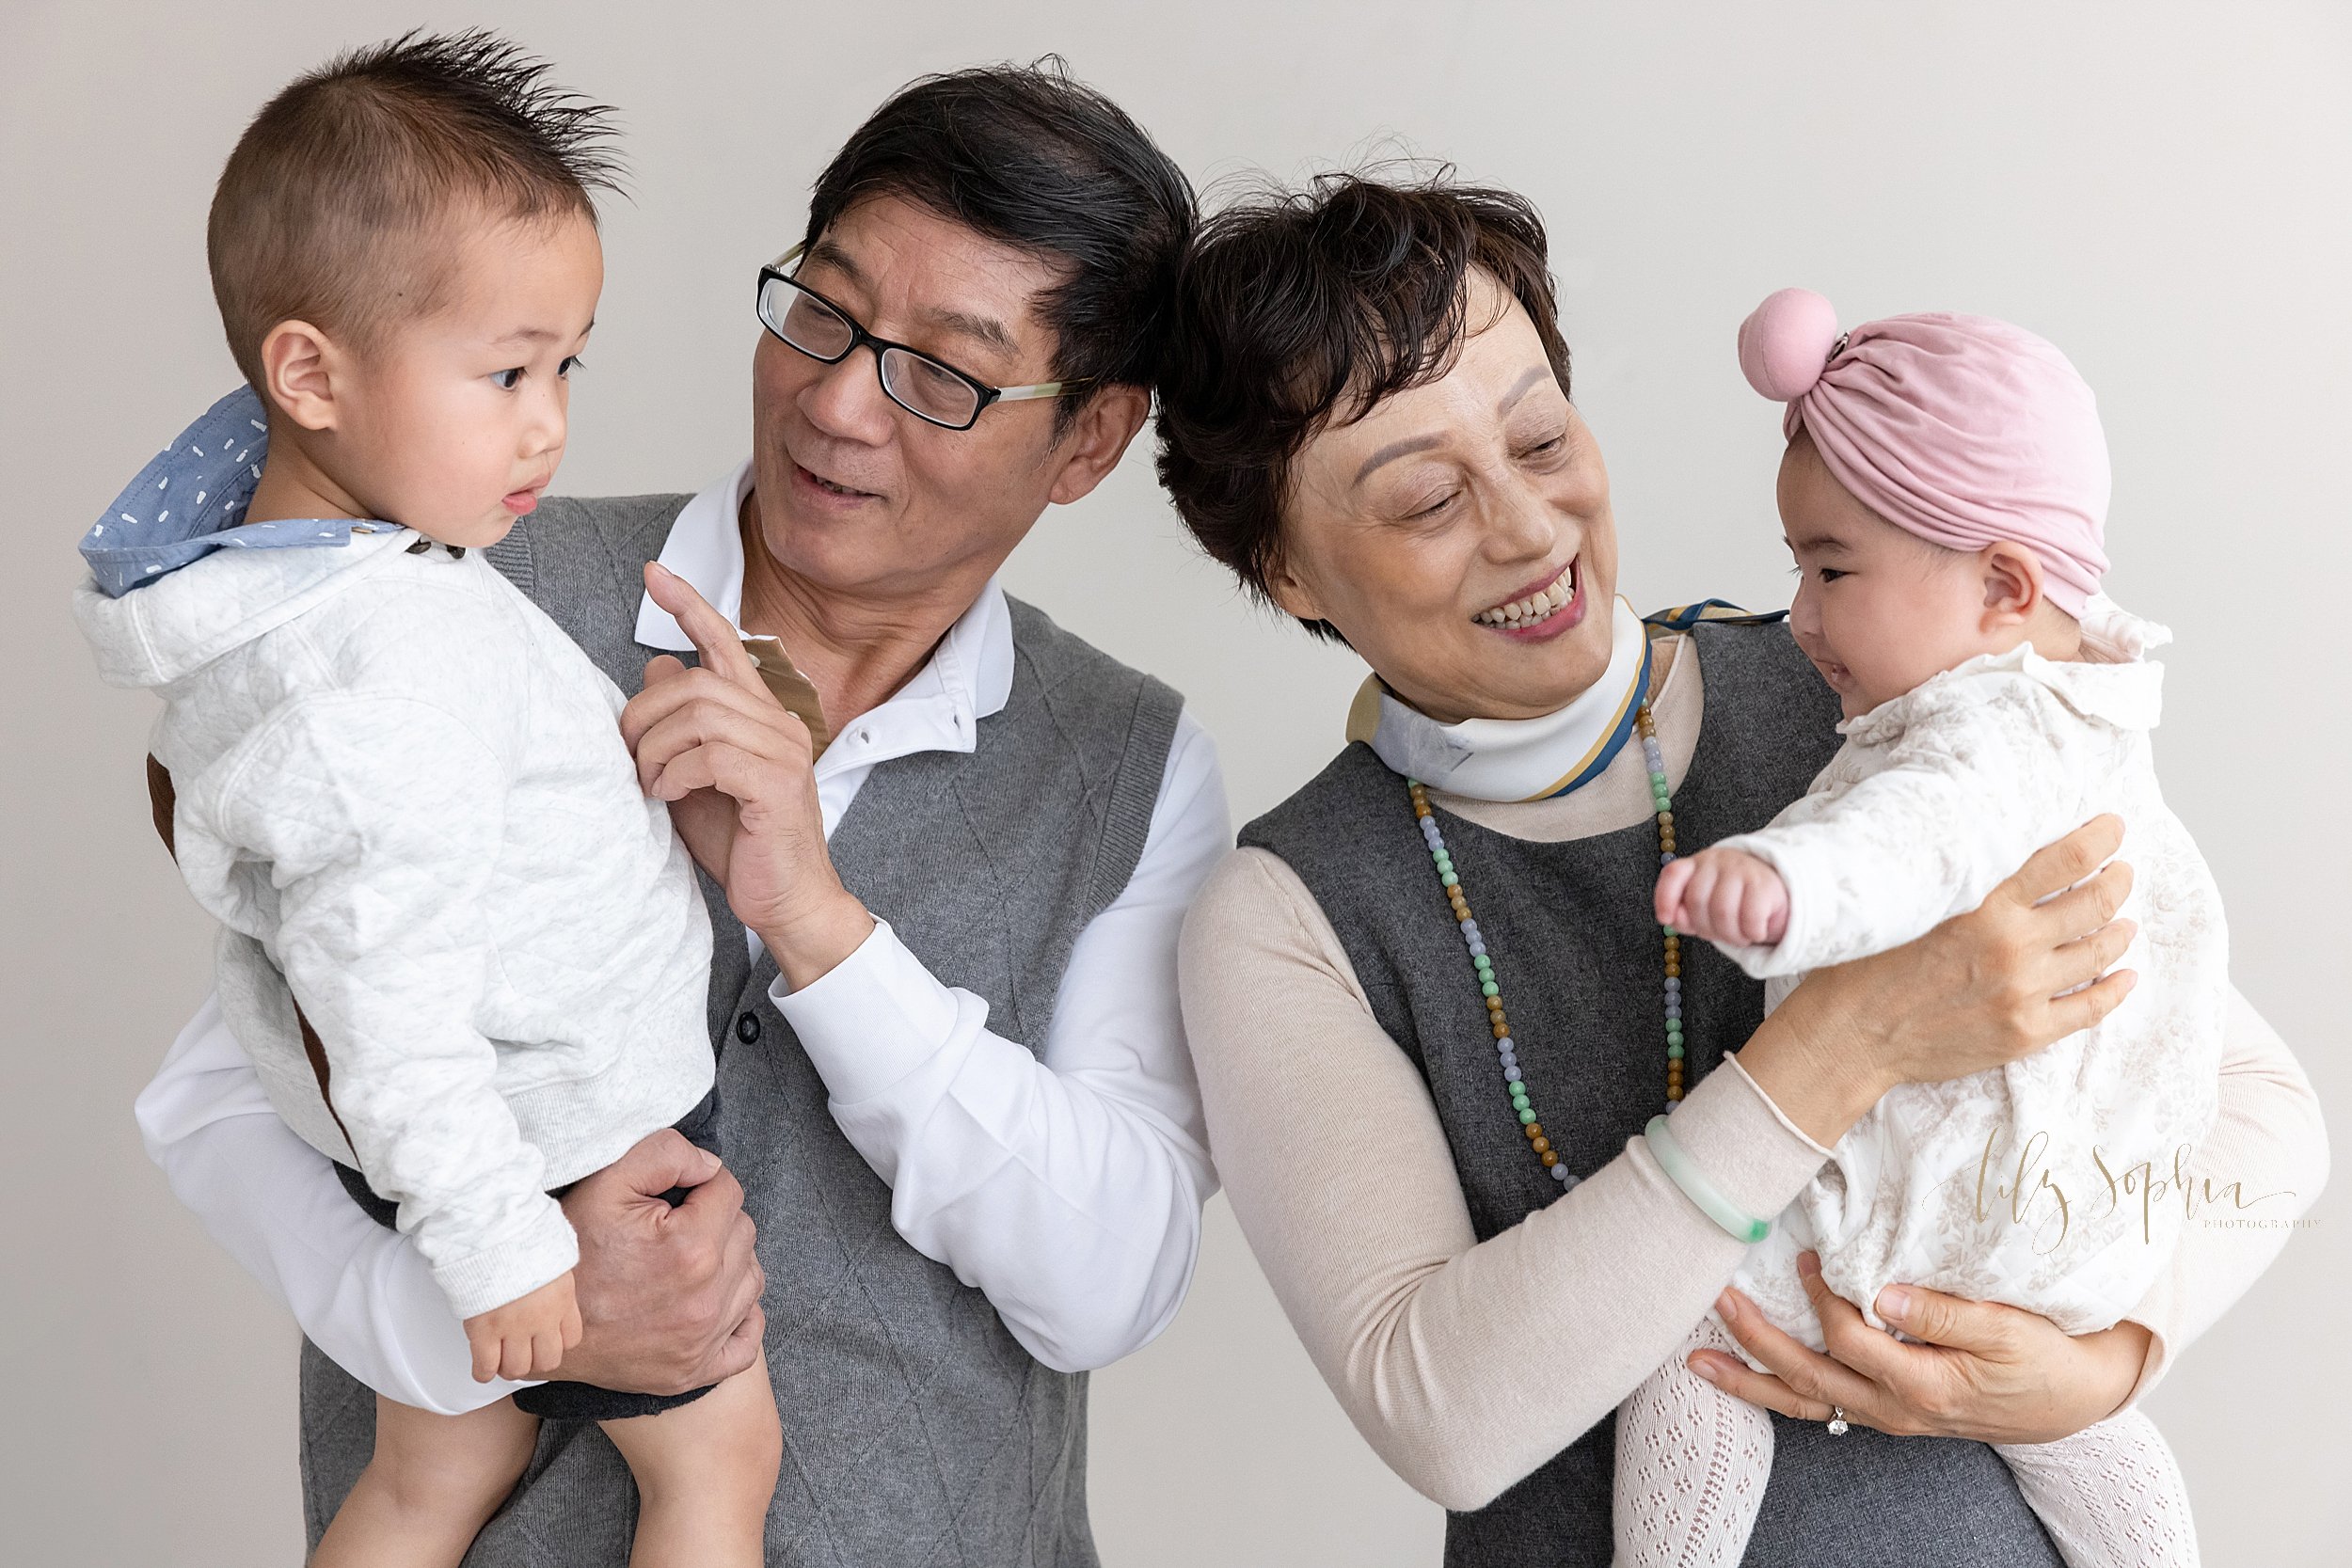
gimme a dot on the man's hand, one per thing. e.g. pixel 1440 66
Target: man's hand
pixel 1724 895
pixel 735 766
pixel 526 1336
pixel 669 1298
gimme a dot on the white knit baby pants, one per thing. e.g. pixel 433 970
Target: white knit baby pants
pixel 1692 1463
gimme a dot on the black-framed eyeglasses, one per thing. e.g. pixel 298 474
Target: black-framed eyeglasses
pixel 931 389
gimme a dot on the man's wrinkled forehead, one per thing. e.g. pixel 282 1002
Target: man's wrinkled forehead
pixel 983 328
pixel 950 281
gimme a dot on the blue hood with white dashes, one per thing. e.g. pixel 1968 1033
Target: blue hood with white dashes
pixel 191 500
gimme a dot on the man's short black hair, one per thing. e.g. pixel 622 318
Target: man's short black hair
pixel 1029 158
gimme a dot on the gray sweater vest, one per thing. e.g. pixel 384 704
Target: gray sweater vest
pixel 1571 933
pixel 916 1429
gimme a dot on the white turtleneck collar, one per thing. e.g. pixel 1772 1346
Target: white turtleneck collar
pixel 1513 759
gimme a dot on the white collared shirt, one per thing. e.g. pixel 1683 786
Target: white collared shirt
pixel 1066 1184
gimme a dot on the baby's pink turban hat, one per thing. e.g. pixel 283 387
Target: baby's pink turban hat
pixel 1963 429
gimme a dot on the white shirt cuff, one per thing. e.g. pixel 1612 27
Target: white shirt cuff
pixel 872 1019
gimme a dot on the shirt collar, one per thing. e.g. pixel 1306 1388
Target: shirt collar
pixel 967 678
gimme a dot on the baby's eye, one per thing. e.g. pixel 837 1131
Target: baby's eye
pixel 1831 574
pixel 571 363
pixel 505 380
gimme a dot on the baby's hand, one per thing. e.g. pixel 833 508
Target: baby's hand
pixel 526 1336
pixel 1724 895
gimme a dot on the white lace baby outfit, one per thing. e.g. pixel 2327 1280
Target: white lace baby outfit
pixel 1935 798
pixel 402 791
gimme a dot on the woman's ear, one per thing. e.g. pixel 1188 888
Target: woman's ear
pixel 299 370
pixel 1291 594
pixel 2013 582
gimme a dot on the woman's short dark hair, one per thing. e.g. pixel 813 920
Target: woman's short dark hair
pixel 1300 308
pixel 1029 158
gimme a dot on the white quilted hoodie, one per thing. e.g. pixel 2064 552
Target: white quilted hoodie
pixel 403 792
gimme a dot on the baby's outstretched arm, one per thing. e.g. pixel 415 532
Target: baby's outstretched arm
pixel 1985 772
pixel 1724 895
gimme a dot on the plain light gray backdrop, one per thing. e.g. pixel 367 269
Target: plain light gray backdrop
pixel 2160 188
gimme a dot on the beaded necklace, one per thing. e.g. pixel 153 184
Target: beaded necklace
pixel 1482 966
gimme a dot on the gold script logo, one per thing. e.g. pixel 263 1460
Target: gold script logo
pixel 2033 1196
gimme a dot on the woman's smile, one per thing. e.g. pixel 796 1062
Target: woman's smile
pixel 1543 612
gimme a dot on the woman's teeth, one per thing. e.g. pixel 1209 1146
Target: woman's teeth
pixel 1539 607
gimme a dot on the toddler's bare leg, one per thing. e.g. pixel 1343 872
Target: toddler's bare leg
pixel 2111 1495
pixel 433 1483
pixel 1692 1464
pixel 705 1472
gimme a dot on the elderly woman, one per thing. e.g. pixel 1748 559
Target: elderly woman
pixel 1432 1014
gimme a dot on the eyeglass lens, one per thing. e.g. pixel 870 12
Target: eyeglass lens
pixel 922 386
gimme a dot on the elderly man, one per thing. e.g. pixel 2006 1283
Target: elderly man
pixel 946 896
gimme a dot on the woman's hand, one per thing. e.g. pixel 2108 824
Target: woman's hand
pixel 1981 989
pixel 738 769
pixel 1991 1372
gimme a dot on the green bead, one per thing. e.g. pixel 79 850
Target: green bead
pixel 1483 962
pixel 1526 1116
pixel 1447 878
pixel 1518 1098
pixel 1674 1034
pixel 1669 931
pixel 1673 1051
pixel 1487 988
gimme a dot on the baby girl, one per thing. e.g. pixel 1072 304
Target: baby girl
pixel 1945 493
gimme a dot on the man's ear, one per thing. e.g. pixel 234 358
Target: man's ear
pixel 1098 440
pixel 300 366
pixel 2013 582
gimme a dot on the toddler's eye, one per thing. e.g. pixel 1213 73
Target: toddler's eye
pixel 571 363
pixel 1831 574
pixel 505 380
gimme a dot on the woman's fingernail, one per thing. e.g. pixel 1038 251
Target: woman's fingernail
pixel 1893 1303
pixel 1725 1307
pixel 1708 1370
pixel 1808 1264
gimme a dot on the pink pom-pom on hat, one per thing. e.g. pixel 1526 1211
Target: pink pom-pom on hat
pixel 1964 430
pixel 1787 342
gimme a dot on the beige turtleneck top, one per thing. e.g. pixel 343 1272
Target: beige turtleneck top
pixel 1468 1364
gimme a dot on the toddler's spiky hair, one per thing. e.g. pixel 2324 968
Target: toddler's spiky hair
pixel 330 206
